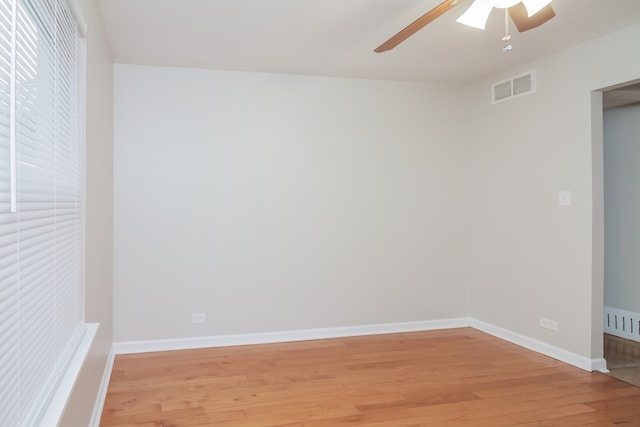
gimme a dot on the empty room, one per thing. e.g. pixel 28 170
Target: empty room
pixel 319 213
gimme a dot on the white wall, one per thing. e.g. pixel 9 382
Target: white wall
pixel 279 202
pixel 622 207
pixel 274 202
pixel 99 216
pixel 528 256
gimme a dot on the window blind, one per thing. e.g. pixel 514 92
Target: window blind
pixel 42 230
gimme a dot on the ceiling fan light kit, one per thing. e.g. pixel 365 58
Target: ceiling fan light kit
pixel 478 13
pixel 526 14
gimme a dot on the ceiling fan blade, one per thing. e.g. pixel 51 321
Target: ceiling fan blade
pixel 524 22
pixel 418 24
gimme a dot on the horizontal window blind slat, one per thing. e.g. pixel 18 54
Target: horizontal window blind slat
pixel 8 272
pixel 8 300
pixel 41 245
pixel 9 372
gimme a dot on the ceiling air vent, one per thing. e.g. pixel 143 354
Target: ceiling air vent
pixel 522 84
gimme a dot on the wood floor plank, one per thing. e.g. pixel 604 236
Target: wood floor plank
pixel 457 377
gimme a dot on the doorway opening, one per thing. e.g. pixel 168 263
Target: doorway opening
pixel 621 157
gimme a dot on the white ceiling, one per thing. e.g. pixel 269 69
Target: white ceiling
pixel 337 37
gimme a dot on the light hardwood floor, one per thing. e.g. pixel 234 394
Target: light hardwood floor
pixel 456 377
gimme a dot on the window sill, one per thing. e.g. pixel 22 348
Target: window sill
pixel 53 413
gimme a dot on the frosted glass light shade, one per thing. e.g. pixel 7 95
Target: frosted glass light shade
pixel 477 14
pixel 503 4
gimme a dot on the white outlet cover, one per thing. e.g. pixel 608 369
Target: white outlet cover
pixel 198 318
pixel 549 324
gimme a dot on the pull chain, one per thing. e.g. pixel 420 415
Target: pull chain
pixel 507 38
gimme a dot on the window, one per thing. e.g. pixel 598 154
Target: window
pixel 41 202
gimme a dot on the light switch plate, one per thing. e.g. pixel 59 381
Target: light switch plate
pixel 564 198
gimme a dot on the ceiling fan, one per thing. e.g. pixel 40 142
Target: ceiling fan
pixel 526 14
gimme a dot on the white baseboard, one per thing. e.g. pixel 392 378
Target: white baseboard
pixel 574 359
pixel 599 364
pixel 541 347
pixel 285 336
pixel 102 391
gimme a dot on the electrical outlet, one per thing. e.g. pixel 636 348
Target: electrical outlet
pixel 549 324
pixel 198 318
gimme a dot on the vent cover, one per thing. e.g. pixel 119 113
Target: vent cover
pixel 622 323
pixel 522 84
